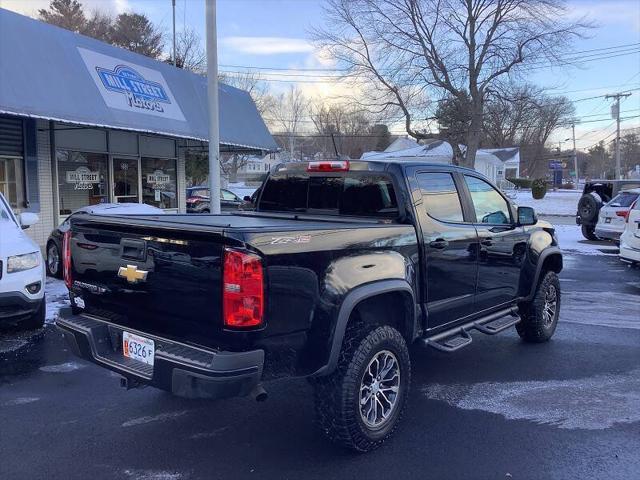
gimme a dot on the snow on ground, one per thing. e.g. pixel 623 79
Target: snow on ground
pixel 241 189
pixel 560 202
pixel 571 240
pixel 57 298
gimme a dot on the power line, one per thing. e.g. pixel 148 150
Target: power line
pixel 300 69
pixel 347 74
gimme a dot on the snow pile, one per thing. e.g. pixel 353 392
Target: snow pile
pixel 560 202
pixel 57 298
pixel 571 240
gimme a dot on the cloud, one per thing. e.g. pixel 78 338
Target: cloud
pixel 31 7
pixel 612 12
pixel 267 45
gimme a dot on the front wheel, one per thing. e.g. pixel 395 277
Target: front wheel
pixel 539 318
pixel 360 404
pixel 53 261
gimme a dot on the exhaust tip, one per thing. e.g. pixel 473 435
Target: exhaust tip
pixel 259 393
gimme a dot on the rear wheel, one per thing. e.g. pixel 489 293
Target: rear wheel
pixel 539 318
pixel 360 404
pixel 589 232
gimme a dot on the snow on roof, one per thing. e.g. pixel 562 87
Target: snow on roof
pixel 51 73
pixel 510 154
pixel 438 149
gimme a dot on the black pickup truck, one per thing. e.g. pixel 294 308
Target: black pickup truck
pixel 342 265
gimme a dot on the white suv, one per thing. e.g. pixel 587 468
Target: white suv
pixel 630 239
pixel 22 277
pixel 613 215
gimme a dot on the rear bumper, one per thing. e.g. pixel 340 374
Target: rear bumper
pixel 608 234
pixel 183 370
pixel 629 253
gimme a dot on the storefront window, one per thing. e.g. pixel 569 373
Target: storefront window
pixel 11 181
pixel 82 179
pixel 159 182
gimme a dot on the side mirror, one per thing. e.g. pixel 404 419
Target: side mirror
pixel 27 219
pixel 527 216
pixel 247 198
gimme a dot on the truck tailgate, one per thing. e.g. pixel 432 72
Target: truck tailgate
pixel 152 278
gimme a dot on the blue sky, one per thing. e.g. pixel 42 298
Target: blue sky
pixel 275 33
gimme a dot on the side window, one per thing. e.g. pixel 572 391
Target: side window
pixel 490 206
pixel 440 196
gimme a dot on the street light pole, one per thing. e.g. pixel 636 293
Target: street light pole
pixel 212 93
pixel 173 3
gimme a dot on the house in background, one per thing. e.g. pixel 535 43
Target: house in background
pixel 497 164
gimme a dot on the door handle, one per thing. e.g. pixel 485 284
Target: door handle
pixel 439 243
pixel 487 242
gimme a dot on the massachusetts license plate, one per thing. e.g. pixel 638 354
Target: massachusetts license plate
pixel 138 348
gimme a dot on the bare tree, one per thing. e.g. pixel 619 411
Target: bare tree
pixel 189 52
pixel 347 128
pixel 412 50
pixel 253 83
pixel 287 115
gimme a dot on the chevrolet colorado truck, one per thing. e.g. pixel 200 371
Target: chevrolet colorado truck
pixel 342 266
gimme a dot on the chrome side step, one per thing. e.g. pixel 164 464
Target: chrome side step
pixel 458 337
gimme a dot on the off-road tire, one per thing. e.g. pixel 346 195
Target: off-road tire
pixel 37 319
pixel 589 232
pixel 533 327
pixel 588 208
pixel 337 396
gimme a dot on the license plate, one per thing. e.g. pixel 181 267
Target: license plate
pixel 607 220
pixel 138 348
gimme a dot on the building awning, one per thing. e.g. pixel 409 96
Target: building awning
pixel 50 73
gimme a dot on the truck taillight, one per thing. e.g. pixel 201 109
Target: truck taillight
pixel 66 259
pixel 329 166
pixel 242 289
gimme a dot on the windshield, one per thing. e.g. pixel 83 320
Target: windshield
pixel 356 194
pixel 623 199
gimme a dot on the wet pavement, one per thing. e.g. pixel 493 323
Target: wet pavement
pixel 568 409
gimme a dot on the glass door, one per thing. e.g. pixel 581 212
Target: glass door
pixel 126 180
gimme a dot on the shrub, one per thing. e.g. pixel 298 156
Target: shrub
pixel 539 188
pixel 521 182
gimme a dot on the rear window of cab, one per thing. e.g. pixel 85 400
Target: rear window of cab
pixel 355 194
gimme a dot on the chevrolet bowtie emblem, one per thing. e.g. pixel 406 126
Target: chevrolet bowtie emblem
pixel 132 274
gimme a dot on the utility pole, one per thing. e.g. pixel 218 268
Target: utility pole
pixel 575 153
pixel 173 3
pixel 615 112
pixel 212 94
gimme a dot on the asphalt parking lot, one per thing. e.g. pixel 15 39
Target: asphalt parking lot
pixel 568 409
